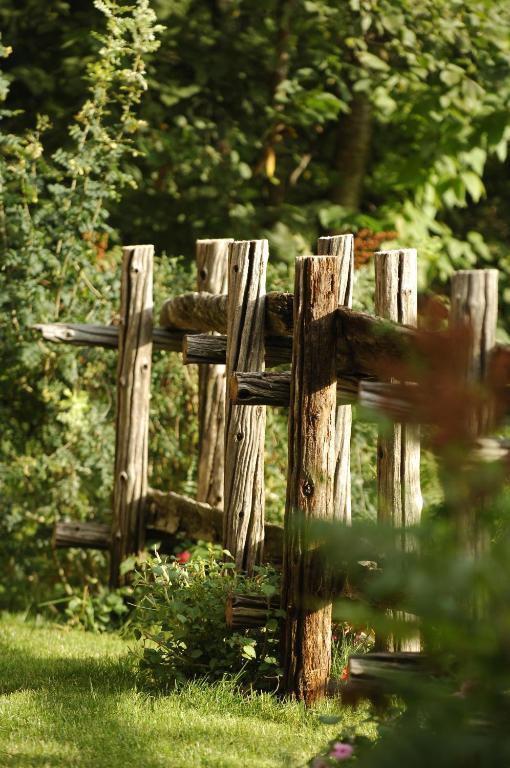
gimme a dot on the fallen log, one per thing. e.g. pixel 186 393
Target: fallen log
pixel 104 336
pixel 171 513
pixel 84 535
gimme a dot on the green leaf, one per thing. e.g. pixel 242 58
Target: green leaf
pixel 372 62
pixel 473 184
pixel 249 652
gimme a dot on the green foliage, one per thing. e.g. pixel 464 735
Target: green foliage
pixel 180 616
pixel 96 611
pixel 55 408
pixel 70 698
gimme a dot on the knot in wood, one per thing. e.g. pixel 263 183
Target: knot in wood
pixel 239 437
pixel 123 475
pixel 308 488
pixel 203 274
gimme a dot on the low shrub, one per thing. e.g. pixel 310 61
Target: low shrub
pixel 180 619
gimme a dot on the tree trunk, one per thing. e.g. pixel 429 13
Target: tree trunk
pixel 351 154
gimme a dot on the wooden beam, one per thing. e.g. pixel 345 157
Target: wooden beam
pixel 274 389
pixel 398 449
pixel 207 312
pixel 172 513
pixel 104 336
pixel 203 349
pixel 342 247
pixel 306 633
pixel 211 260
pixel 366 345
pixel 82 534
pixel 243 532
pixel 133 397
pixel 474 309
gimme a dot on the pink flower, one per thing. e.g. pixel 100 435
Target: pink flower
pixel 183 557
pixel 341 751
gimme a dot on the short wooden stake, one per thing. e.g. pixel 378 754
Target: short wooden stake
pixel 212 260
pixel 243 533
pixel 306 632
pixel 133 396
pixel 342 246
pixel 398 454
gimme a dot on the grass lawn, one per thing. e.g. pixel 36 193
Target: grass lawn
pixel 69 698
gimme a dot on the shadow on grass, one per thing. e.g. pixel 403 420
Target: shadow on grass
pixel 22 669
pixel 75 713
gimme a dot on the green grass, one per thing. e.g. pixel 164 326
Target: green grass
pixel 69 698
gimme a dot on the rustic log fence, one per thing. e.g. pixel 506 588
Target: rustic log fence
pixel 337 357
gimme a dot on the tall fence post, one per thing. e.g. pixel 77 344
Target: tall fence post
pixel 398 453
pixel 133 397
pixel 243 532
pixel 306 632
pixel 212 260
pixel 474 306
pixel 342 246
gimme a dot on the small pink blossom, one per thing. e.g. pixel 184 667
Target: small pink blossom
pixel 183 557
pixel 341 751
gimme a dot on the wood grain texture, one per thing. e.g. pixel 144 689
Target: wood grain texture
pixel 104 336
pixel 366 345
pixel 306 633
pixel 342 247
pixel 398 453
pixel 273 389
pixel 474 308
pixel 243 533
pixel 133 397
pixel 203 349
pixel 82 534
pixel 172 513
pixel 212 261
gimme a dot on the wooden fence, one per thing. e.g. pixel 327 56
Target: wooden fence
pixel 334 357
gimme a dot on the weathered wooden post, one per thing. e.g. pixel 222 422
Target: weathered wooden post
pixel 212 260
pixel 306 632
pixel 474 307
pixel 398 453
pixel 342 246
pixel 133 396
pixel 243 532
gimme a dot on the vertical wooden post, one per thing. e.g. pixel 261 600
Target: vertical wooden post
pixel 474 305
pixel 133 396
pixel 212 260
pixel 342 246
pixel 398 454
pixel 306 632
pixel 243 521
